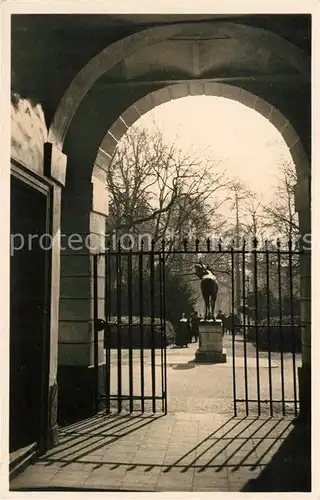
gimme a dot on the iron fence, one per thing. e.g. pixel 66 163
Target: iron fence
pixel 263 321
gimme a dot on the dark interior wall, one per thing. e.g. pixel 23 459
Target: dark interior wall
pixel 47 52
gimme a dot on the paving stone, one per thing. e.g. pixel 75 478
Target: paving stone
pixel 153 444
pixel 210 460
pixel 176 477
pixel 134 487
pixel 140 478
pixel 148 458
pixel 115 456
pixel 105 482
pixel 217 488
pixel 237 485
pixel 105 477
pixel 33 478
pixel 183 462
pixel 244 473
pixel 173 487
pixel 210 484
pixel 65 478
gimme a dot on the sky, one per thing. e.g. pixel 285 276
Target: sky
pixel 246 143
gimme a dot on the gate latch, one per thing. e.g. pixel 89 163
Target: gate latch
pixel 99 325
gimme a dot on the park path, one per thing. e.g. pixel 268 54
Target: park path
pixel 196 387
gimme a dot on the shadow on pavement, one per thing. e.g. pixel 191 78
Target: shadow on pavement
pixel 273 451
pixel 182 366
pixel 77 441
pixel 290 467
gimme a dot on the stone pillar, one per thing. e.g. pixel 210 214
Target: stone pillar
pixel 52 436
pixel 54 168
pixel 83 223
pixel 303 207
pixel 210 343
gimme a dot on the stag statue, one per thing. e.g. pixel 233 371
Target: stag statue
pixel 209 288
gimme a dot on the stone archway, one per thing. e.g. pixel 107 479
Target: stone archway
pixel 299 156
pixel 194 88
pixel 85 207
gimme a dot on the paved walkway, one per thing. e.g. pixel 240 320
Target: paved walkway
pixel 198 446
pixel 176 452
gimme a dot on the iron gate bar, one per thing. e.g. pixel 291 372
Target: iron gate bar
pixel 233 337
pixel 244 327
pixel 152 312
pixel 292 329
pixel 280 327
pixel 107 330
pixel 256 320
pixel 162 328
pixel 141 327
pixel 119 315
pixel 268 328
pixel 130 329
pixel 95 332
pixel 164 394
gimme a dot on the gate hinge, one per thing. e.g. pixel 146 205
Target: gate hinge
pixel 99 325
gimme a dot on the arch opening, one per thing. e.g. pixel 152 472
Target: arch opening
pixel 89 183
pixel 172 92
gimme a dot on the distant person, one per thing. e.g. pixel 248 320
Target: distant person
pixel 223 318
pixel 220 314
pixel 195 326
pixel 183 332
pixel 237 323
pixel 233 322
pixel 228 324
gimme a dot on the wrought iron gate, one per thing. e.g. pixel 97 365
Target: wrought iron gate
pixel 262 328
pixel 266 339
pixel 134 331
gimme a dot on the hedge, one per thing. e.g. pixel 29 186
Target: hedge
pixel 111 339
pixel 275 334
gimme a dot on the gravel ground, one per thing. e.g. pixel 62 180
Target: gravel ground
pixel 195 387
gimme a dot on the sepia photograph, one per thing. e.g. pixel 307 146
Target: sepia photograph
pixel 160 252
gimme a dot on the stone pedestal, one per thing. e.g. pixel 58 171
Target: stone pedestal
pixel 210 343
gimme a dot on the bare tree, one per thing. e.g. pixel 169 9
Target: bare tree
pixel 157 187
pixel 254 226
pixel 280 215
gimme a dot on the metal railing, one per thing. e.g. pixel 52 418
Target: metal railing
pixel 263 320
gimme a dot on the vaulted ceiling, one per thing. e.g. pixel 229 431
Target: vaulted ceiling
pixel 49 50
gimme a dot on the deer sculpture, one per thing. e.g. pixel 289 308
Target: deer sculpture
pixel 209 288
